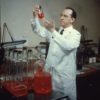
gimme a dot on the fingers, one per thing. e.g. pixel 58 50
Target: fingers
pixel 46 22
pixel 49 25
pixel 36 10
pixel 34 14
pixel 37 7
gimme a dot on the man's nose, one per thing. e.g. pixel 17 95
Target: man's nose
pixel 62 17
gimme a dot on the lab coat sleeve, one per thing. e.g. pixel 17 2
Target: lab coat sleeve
pixel 69 42
pixel 40 30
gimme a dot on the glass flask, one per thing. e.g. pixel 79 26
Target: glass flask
pixel 13 85
pixel 27 65
pixel 42 83
pixel 40 13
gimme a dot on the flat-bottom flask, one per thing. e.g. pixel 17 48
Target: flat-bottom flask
pixel 42 83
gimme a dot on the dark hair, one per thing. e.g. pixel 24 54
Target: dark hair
pixel 74 15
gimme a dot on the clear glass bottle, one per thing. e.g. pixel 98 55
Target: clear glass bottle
pixel 42 83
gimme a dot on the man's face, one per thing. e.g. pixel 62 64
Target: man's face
pixel 66 19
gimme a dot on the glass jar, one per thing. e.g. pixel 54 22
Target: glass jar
pixel 42 83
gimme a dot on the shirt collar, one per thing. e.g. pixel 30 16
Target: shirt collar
pixel 68 28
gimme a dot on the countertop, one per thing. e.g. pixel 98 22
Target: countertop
pixel 88 69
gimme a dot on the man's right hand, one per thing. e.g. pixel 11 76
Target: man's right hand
pixel 36 11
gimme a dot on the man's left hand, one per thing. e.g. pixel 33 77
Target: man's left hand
pixel 49 25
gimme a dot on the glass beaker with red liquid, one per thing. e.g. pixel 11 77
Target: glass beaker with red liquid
pixel 41 13
pixel 42 83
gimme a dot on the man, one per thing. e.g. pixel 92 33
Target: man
pixel 61 56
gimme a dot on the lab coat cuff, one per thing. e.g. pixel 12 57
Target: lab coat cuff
pixel 55 33
pixel 35 21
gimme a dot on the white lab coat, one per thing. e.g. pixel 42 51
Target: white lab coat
pixel 61 57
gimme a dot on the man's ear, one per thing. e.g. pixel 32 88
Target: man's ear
pixel 73 19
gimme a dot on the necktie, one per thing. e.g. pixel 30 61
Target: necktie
pixel 61 32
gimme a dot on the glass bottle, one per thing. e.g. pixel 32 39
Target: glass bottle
pixel 42 83
pixel 40 13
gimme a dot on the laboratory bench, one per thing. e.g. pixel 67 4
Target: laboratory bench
pixel 88 82
pixel 5 95
pixel 88 87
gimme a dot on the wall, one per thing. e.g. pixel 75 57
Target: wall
pixel 17 15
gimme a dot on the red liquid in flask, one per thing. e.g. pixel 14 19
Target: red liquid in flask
pixel 40 14
pixel 42 82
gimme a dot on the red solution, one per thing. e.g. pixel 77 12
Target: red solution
pixel 15 88
pixel 40 14
pixel 27 81
pixel 42 82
